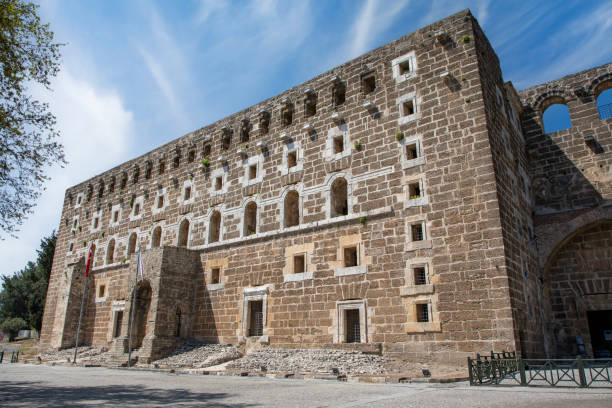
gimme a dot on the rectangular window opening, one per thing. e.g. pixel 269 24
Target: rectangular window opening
pixel 256 318
pixel 417 232
pixel 352 326
pixel 118 323
pixel 218 183
pixel 420 278
pixel 71 247
pixel 339 95
pixel 350 257
pixel 310 107
pixel 369 84
pixel 187 194
pixel 96 222
pixel 414 190
pixel 291 159
pixel 252 171
pixel 299 263
pixel 136 209
pixel 160 201
pixel 422 310
pixel 338 144
pixel 412 152
pixel 101 291
pixel 404 67
pixel 287 117
pixel 115 216
pixel 408 108
pixel 215 276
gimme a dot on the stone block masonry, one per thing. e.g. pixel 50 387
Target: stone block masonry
pixel 378 206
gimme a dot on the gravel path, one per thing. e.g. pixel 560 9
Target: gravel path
pixel 310 361
pixel 93 355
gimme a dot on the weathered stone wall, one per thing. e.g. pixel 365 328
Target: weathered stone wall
pixel 459 175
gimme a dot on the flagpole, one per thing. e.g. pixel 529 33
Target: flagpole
pixel 76 346
pixel 132 311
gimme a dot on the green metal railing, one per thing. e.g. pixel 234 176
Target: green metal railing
pixel 507 369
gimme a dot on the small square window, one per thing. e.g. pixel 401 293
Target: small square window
pixel 160 201
pixel 291 159
pixel 218 183
pixel 350 256
pixel 338 144
pixel 414 190
pixel 299 263
pixel 420 278
pixel 405 67
pixel 136 209
pixel 369 84
pixel 101 291
pixel 187 193
pixel 215 276
pixel 422 310
pixel 252 171
pixel 412 151
pixel 417 232
pixel 408 108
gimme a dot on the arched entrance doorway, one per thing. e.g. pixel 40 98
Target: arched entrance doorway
pixel 580 291
pixel 143 302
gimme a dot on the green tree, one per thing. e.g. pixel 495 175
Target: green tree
pixel 11 326
pixel 23 295
pixel 28 143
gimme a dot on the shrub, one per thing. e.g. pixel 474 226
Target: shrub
pixel 358 145
pixel 466 38
pixel 399 135
pixel 11 326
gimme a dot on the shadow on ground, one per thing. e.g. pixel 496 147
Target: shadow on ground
pixel 33 394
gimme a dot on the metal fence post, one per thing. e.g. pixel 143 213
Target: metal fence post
pixel 522 371
pixel 581 374
pixel 470 371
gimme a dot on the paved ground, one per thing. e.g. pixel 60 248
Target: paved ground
pixel 39 385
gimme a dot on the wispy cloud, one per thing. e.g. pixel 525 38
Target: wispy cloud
pixel 207 8
pixel 374 18
pixel 97 132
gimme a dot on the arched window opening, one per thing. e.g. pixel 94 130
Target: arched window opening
pixel 132 244
pixel 250 219
pixel 156 240
pixel 339 198
pixel 93 255
pixel 604 101
pixel 183 236
pixel 556 117
pixel 110 252
pixel 214 230
pixel 292 209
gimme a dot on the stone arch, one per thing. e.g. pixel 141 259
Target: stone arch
pixel 545 99
pixel 249 221
pixel 579 286
pixel 183 234
pixel 110 252
pixel 132 241
pixel 338 198
pixel 600 84
pixel 554 105
pixel 214 226
pixel 156 237
pixel 291 209
pixel 141 313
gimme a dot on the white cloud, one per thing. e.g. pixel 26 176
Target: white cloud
pixel 374 18
pixel 96 131
pixel 210 7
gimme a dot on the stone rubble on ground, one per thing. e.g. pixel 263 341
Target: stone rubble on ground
pixel 85 354
pixel 199 355
pixel 310 361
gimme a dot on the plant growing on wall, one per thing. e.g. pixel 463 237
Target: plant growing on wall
pixel 363 220
pixel 358 145
pixel 466 38
pixel 205 162
pixel 399 136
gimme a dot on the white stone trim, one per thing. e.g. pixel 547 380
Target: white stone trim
pixel 80 197
pixel 160 193
pixel 140 202
pixel 341 307
pixel 415 202
pixel 119 209
pixel 395 67
pixel 409 163
pixel 349 193
pixel 416 103
pixel 215 286
pixel 245 202
pixel 220 172
pixel 288 148
pixel 414 245
pixel 351 270
pixel 96 215
pixel 246 164
pixel 335 131
pixel 206 221
pixel 191 184
pixel 298 277
pixel 254 294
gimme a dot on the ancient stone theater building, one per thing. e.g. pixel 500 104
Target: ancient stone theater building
pixel 407 202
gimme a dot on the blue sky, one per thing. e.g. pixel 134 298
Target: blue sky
pixel 137 74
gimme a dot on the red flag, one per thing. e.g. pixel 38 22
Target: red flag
pixel 88 263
